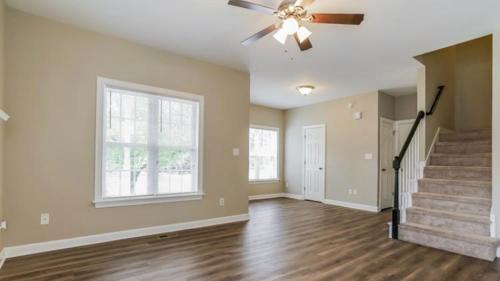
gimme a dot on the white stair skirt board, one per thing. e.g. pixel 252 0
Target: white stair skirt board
pixel 266 196
pixel 369 208
pixel 28 249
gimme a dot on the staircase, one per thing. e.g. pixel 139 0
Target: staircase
pixel 451 210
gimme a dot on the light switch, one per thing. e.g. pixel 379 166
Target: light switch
pixel 357 115
pixel 368 156
pixel 236 152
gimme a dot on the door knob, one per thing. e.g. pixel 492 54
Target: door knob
pixel 383 170
pixel 320 169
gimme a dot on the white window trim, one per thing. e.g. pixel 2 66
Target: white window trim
pixel 99 201
pixel 278 155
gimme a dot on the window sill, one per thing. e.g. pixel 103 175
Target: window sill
pixel 264 181
pixel 143 200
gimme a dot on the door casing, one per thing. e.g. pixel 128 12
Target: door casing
pixel 389 169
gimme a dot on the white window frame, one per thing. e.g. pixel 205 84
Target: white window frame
pixel 99 200
pixel 278 162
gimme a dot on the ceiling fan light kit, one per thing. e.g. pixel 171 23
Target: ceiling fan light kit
pixel 303 33
pixel 281 35
pixel 292 14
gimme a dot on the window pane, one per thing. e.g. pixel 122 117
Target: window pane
pixel 263 160
pixel 175 170
pixel 126 118
pixel 126 171
pixel 177 124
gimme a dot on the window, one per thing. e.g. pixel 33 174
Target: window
pixel 263 164
pixel 148 144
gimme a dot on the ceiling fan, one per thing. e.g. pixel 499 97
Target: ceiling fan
pixel 292 14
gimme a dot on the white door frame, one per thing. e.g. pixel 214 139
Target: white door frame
pixel 394 140
pixel 323 190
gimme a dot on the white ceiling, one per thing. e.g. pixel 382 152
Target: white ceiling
pixel 345 60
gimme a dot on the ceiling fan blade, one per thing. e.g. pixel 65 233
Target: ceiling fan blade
pixel 305 45
pixel 252 6
pixel 354 19
pixel 259 34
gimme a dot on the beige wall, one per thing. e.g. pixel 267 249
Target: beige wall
pixel 397 107
pixel 473 84
pixel 465 69
pixel 496 130
pixel 439 70
pixel 405 107
pixel 265 116
pixel 386 106
pixel 51 96
pixel 347 141
pixel 2 124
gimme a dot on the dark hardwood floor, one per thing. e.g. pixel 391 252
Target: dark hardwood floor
pixel 284 240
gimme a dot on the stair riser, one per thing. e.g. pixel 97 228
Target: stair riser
pixel 458 174
pixel 461 161
pixel 464 148
pixel 481 192
pixel 460 247
pixel 449 223
pixel 470 136
pixel 452 206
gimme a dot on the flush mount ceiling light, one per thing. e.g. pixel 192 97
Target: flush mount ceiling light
pixel 305 90
pixel 292 15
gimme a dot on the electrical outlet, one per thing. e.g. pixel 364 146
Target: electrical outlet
pixel 286 184
pixel 44 218
pixel 221 202
pixel 355 192
pixel 236 152
pixel 350 191
pixel 3 224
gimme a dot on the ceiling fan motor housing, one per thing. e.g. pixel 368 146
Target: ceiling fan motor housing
pixel 291 11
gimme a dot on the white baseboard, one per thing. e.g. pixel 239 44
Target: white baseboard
pixel 356 206
pixel 28 249
pixel 266 196
pixel 294 196
pixel 276 195
pixel 3 257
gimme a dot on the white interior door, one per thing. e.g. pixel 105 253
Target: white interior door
pixel 387 154
pixel 314 163
pixel 402 131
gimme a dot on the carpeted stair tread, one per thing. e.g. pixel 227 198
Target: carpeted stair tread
pixel 473 173
pixel 446 197
pixel 450 215
pixel 471 238
pixel 449 159
pixel 465 135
